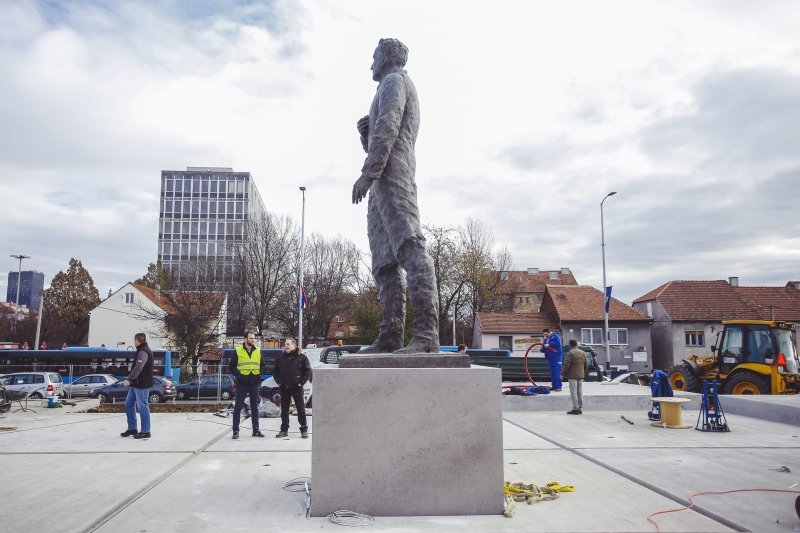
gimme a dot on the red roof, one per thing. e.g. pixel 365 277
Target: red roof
pixel 514 322
pixel 781 302
pixel 583 303
pixel 700 300
pixel 164 299
pixel 519 281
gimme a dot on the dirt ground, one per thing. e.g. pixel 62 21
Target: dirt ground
pixel 164 408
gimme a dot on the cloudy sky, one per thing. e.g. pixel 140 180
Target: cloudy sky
pixel 531 113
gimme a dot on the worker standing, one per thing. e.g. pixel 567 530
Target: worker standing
pixel 551 348
pixel 247 369
pixel 292 371
pixel 574 370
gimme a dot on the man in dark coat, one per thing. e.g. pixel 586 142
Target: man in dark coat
pixel 292 371
pixel 139 381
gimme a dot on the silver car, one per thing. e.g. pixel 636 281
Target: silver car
pixel 86 384
pixel 36 384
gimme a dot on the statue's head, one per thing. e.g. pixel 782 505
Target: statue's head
pixel 389 53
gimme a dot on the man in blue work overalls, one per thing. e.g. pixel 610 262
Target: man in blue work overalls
pixel 551 348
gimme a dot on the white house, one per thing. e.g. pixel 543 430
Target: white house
pixel 127 312
pixel 119 317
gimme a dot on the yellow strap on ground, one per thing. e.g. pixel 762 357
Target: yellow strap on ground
pixel 555 485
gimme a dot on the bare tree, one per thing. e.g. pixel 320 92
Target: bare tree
pixel 331 272
pixel 190 317
pixel 267 260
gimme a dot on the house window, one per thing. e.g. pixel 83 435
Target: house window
pixel 505 342
pixel 594 336
pixel 695 338
pixel 339 319
pixel 128 297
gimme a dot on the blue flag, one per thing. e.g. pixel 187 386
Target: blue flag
pixel 608 297
pixel 303 300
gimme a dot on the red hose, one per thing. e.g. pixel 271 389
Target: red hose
pixel 525 362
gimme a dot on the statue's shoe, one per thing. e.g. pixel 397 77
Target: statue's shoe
pixel 419 346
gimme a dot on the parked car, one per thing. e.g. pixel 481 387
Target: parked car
pixel 270 390
pixel 206 387
pixel 161 391
pixel 35 384
pixel 633 378
pixel 86 384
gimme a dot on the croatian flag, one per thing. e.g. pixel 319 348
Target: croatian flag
pixel 608 297
pixel 303 299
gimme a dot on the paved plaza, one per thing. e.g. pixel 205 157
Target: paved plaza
pixel 70 471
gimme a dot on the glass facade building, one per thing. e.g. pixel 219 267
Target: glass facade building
pixel 202 217
pixel 30 290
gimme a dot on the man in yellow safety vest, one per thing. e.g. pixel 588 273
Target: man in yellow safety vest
pixel 247 369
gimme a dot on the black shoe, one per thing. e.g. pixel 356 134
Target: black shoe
pixel 235 435
pixel 257 434
pixel 574 412
pixel 142 435
pixel 129 433
pixel 282 434
pixel 555 390
pixel 304 434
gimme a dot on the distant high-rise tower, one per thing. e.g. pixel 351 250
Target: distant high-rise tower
pixel 203 214
pixel 30 290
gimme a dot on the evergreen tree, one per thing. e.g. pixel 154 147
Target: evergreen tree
pixel 67 303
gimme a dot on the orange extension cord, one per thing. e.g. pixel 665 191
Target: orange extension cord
pixel 691 504
pixel 525 364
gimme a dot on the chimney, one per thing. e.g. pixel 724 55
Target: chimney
pixel 552 275
pixel 533 271
pixel 733 281
pixel 564 271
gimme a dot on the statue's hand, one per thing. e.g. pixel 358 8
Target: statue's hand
pixel 363 126
pixel 360 188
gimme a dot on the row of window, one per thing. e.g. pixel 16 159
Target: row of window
pixel 203 184
pixel 176 251
pixel 203 209
pixel 224 272
pixel 594 336
pixel 192 230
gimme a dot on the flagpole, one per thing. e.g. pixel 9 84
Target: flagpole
pixel 302 261
pixel 607 302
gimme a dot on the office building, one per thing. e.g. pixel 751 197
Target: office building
pixel 202 216
pixel 30 289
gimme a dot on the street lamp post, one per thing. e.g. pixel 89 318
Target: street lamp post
pixel 605 286
pixel 19 282
pixel 302 262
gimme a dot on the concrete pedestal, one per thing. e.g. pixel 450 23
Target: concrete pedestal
pixel 407 441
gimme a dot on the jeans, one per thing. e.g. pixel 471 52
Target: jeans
pixel 554 362
pixel 138 397
pixel 242 391
pixel 576 392
pixel 287 395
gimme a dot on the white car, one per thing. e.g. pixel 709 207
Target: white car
pixel 270 390
pixel 36 384
pixel 86 384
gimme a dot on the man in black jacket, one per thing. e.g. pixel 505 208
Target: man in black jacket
pixel 246 366
pixel 139 382
pixel 292 371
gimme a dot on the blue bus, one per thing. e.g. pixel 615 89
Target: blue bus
pixel 74 362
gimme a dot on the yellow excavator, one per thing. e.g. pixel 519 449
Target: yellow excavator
pixel 749 357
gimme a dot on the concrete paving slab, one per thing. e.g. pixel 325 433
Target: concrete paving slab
pixel 515 438
pixel 56 492
pixel 269 427
pixel 100 433
pixel 680 462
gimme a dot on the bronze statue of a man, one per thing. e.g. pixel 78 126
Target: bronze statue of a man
pixel 396 241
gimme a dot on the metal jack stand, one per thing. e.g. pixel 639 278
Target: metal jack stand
pixel 711 417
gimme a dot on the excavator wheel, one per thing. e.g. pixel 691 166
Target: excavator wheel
pixel 747 383
pixel 682 378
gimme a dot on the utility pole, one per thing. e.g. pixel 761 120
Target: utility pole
pixel 302 262
pixel 19 282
